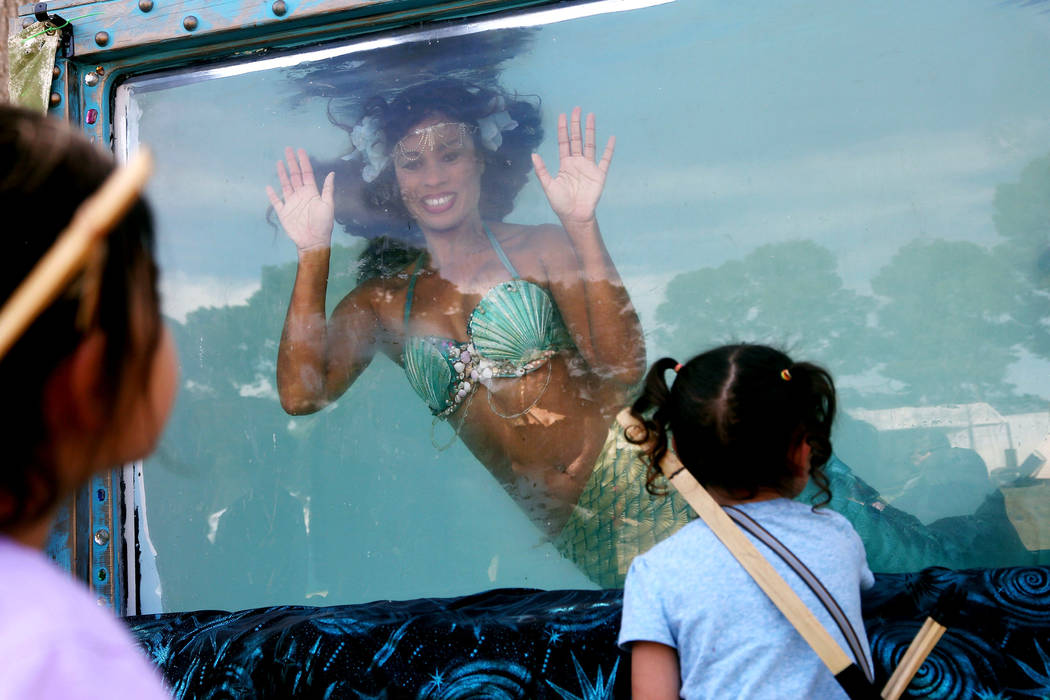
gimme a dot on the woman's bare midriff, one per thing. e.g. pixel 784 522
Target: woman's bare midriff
pixel 543 457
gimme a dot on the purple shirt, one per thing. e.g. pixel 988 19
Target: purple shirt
pixel 57 642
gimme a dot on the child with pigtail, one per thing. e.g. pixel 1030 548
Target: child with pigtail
pixel 753 427
pixel 90 374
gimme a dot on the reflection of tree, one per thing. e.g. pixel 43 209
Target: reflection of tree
pixel 950 325
pixel 227 487
pixel 954 315
pixel 1022 218
pixel 786 294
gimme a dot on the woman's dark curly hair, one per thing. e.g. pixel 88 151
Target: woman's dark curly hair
pixel 736 417
pixel 506 169
pixel 46 172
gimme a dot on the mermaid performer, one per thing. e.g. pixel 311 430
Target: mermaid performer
pixel 522 338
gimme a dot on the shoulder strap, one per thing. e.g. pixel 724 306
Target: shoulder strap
pixel 502 255
pixel 846 672
pixel 810 579
pixel 412 289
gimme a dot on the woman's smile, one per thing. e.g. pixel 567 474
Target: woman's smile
pixel 439 203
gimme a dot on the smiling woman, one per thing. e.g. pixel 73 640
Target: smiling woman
pixel 523 338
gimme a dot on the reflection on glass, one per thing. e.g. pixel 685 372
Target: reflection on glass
pixel 767 186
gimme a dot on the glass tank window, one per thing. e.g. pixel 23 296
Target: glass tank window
pixel 857 185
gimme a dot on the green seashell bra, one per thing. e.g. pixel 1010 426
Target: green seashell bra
pixel 514 329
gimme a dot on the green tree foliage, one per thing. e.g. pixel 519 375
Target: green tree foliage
pixel 786 294
pixel 1022 218
pixel 224 490
pixel 949 328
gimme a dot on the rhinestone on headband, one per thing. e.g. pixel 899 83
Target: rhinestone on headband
pixel 447 135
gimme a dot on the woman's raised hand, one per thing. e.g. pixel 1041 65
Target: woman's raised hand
pixel 306 214
pixel 574 192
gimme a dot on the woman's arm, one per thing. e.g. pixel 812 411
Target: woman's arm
pixel 318 358
pixel 654 672
pixel 587 287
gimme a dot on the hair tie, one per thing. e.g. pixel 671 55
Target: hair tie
pixel 785 375
pixel 677 367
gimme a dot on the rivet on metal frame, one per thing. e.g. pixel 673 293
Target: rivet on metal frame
pixel 190 23
pixel 279 8
pixel 102 537
pixel 91 79
pixel 145 5
pixel 56 72
pixel 102 38
pixel 56 99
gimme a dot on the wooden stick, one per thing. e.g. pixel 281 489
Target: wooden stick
pixel 894 688
pixel 73 248
pixel 774 585
pixel 913 658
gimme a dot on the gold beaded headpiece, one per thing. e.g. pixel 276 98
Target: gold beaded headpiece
pixel 446 135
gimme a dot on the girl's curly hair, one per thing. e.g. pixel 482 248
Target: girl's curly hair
pixel 736 414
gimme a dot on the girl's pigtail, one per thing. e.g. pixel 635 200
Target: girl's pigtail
pixel 652 411
pixel 817 405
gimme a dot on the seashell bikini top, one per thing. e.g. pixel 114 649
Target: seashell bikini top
pixel 514 329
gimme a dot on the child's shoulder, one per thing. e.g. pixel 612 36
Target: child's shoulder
pixel 692 539
pixel 58 633
pixel 40 600
pixel 802 510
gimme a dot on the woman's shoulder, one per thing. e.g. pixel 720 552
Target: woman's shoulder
pixel 516 236
pixel 545 245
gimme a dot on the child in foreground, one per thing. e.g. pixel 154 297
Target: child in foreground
pixel 753 427
pixel 83 397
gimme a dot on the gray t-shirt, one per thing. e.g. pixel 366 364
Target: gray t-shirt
pixel 689 593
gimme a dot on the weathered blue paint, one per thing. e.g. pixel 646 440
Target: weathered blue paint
pixel 104 516
pixel 131 30
pixel 59 548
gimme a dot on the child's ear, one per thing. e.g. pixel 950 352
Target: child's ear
pixel 73 396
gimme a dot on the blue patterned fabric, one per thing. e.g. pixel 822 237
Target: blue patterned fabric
pixel 518 644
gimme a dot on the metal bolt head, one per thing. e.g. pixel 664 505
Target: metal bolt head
pixel 102 537
pixel 279 8
pixel 56 99
pixel 56 72
pixel 145 5
pixel 91 79
pixel 102 38
pixel 190 23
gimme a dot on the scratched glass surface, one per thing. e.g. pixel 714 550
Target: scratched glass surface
pixel 868 187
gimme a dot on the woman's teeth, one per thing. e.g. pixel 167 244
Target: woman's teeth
pixel 437 202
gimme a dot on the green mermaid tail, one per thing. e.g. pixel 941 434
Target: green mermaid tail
pixel 617 519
